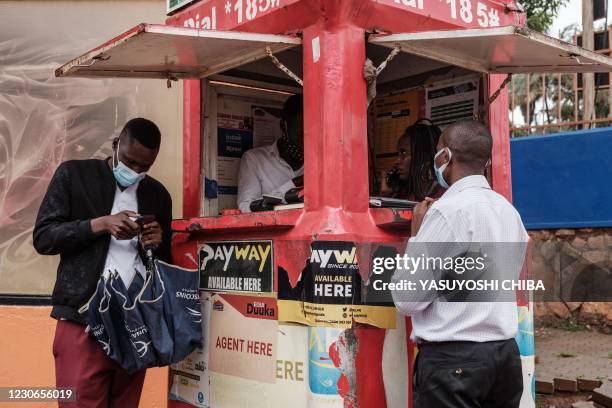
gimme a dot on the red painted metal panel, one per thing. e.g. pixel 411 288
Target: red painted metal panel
pixel 279 16
pixel 368 366
pixel 273 16
pixel 335 119
pixel 422 15
pixel 498 124
pixel 192 150
pixel 269 220
pixel 394 220
pixel 411 346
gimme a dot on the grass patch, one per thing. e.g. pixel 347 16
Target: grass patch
pixel 572 326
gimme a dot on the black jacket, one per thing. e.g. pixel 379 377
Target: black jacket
pixel 79 191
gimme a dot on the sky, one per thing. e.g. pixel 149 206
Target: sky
pixel 572 13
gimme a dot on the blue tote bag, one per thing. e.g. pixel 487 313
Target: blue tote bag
pixel 132 321
pixel 151 305
pixel 95 326
pixel 157 321
pixel 111 312
pixel 181 307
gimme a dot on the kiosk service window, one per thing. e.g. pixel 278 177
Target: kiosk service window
pixel 247 77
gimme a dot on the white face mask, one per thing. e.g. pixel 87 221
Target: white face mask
pixel 440 170
pixel 123 174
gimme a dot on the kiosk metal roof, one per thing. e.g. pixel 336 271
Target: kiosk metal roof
pixel 508 49
pixel 161 51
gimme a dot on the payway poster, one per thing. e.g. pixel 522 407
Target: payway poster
pixel 330 291
pixel 236 266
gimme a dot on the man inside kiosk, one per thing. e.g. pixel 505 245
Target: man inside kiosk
pixel 273 170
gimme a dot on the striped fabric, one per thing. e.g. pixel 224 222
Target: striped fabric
pixel 468 212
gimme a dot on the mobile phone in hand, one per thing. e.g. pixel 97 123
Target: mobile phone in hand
pixel 143 220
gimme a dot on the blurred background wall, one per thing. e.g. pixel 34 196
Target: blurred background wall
pixel 46 120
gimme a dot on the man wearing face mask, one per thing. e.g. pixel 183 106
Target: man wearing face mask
pixel 276 168
pixel 88 217
pixel 467 353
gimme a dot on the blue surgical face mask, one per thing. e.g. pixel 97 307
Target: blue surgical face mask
pixel 123 174
pixel 440 170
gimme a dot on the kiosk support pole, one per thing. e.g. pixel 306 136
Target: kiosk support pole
pixel 335 133
pixel 499 125
pixel 336 179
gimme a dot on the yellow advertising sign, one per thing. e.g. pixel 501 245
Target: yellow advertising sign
pixel 341 316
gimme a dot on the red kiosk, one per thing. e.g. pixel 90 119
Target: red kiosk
pixel 230 49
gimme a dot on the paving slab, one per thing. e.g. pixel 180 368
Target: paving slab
pixel 573 354
pixel 603 395
pixel 583 404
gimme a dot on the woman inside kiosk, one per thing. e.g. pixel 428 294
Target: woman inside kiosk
pixel 411 176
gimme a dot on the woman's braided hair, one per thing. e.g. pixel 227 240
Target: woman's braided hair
pixel 423 136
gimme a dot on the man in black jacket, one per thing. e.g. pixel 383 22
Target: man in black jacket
pixel 88 217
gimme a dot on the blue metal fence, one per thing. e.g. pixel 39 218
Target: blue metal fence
pixel 563 180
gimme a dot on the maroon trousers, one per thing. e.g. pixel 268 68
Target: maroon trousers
pixel 81 364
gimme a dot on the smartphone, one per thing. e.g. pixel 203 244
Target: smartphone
pixel 143 220
pixel 270 199
pixel 393 180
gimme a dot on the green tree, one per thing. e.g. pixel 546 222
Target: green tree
pixel 541 13
pixel 559 94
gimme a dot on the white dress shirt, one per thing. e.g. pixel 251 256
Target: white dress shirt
pixel 122 254
pixel 468 212
pixel 263 171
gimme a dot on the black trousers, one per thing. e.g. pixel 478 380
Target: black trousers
pixel 467 375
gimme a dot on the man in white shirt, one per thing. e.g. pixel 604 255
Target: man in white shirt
pixel 276 168
pixel 467 353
